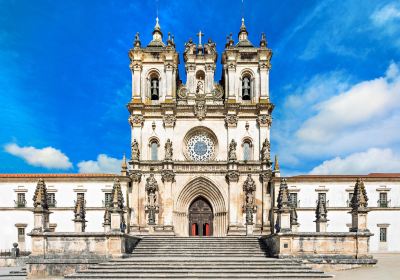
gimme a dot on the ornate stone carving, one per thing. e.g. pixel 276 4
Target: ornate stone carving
pixel 116 196
pixel 266 176
pixel 320 211
pixel 80 210
pixel 136 120
pixel 168 150
pixel 231 120
pixel 135 150
pixel 169 120
pixel 200 109
pixel 232 151
pixel 232 176
pixel 182 92
pixel 359 201
pixel 218 92
pixel 107 217
pixel 249 208
pixel 40 197
pixel 293 217
pixel 136 176
pixel 283 195
pixel 137 43
pixel 266 152
pixel 152 202
pixel 264 120
pixel 167 176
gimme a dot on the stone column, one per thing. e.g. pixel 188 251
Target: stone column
pixel 168 66
pixel 232 178
pixel 168 179
pixel 283 219
pixel 135 176
pixel 321 215
pixel 41 209
pixel 136 69
pixel 265 178
pixel 231 81
pixel 359 210
pixel 80 214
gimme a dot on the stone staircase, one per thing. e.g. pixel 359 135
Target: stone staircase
pixel 159 257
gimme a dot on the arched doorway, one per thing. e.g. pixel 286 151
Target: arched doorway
pixel 200 217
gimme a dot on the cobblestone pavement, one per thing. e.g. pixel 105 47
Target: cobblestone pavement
pixel 387 268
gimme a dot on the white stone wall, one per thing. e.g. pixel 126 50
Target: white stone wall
pixel 62 214
pixel 337 193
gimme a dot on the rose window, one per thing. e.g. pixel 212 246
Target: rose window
pixel 200 147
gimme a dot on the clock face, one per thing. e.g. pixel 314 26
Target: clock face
pixel 200 147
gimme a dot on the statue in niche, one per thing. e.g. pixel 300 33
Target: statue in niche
pixel 266 151
pixel 200 88
pixel 135 150
pixel 168 150
pixel 232 150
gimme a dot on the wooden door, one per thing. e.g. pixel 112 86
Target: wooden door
pixel 200 218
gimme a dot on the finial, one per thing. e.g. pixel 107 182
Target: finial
pixel 276 166
pixel 124 166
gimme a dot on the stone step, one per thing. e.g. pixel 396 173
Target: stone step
pixel 201 275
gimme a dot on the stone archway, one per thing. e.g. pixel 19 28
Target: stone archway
pixel 197 188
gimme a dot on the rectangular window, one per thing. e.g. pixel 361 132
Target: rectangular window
pixel 21 235
pixel 383 199
pixel 21 231
pixel 350 198
pixel 246 151
pixel 51 199
pixel 107 199
pixel 322 196
pixel 21 202
pixel 382 234
pixel 293 199
pixel 154 150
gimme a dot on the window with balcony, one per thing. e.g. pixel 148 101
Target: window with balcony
pixel 51 200
pixel 293 202
pixel 382 234
pixel 383 200
pixel 107 200
pixel 21 202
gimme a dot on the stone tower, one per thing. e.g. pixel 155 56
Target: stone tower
pixel 200 141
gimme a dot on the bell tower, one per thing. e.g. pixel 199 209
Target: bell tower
pixel 154 68
pixel 246 69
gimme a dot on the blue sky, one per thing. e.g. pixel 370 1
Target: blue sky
pixel 65 80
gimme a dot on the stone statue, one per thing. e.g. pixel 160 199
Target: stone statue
pixel 152 205
pixel 200 88
pixel 266 151
pixel 135 150
pixel 232 151
pixel 168 150
pixel 249 207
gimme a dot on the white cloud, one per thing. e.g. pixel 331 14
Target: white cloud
pixel 47 157
pixel 372 160
pixel 103 164
pixel 387 13
pixel 331 117
pixel 362 105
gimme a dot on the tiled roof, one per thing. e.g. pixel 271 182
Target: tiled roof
pixel 370 175
pixel 55 175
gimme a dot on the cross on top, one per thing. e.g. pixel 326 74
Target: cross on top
pixel 200 34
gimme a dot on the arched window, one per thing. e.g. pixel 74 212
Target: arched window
pixel 247 150
pixel 154 88
pixel 154 150
pixel 246 87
